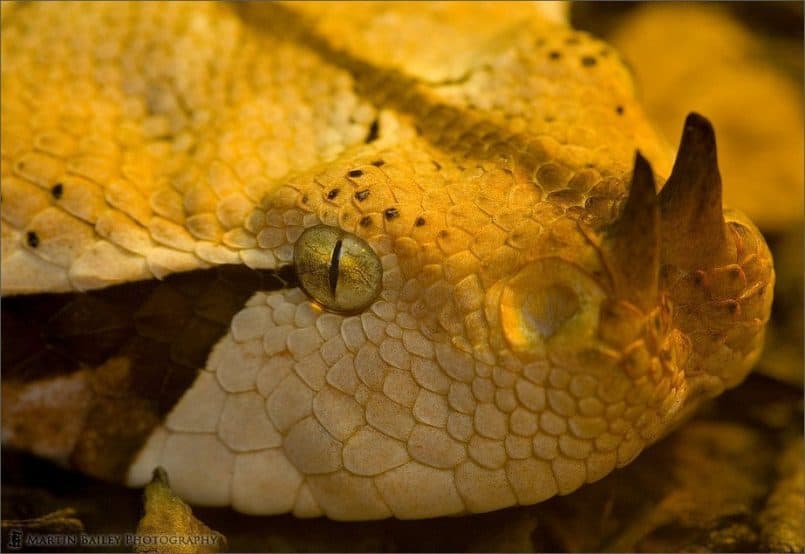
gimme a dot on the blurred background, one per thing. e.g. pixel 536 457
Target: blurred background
pixel 731 479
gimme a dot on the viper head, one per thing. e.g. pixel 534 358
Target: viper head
pixel 471 331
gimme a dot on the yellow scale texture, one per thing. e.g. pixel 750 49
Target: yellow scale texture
pixel 480 150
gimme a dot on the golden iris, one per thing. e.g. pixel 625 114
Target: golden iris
pixel 338 270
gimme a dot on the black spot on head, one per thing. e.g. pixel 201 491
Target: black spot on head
pixel 32 238
pixel 378 163
pixel 619 109
pixel 554 55
pixel 333 193
pixel 374 132
pixel 732 307
pixel 355 173
pixel 391 213
pixel 588 61
pixel 362 195
pixel 365 221
pixel 437 165
pixel 698 278
pixel 57 190
pixel 420 221
pixel 549 119
pixel 305 199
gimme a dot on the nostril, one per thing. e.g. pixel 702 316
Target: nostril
pixel 548 308
pixel 549 305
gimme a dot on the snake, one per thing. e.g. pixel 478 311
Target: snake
pixel 354 260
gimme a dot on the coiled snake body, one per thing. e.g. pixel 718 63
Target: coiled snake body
pixel 491 304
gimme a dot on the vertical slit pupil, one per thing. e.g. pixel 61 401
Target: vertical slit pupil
pixel 333 276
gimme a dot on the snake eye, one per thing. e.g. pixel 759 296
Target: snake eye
pixel 337 269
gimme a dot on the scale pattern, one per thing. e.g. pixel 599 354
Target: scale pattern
pixel 498 367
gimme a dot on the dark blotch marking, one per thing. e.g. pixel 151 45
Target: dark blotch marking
pixel 57 190
pixel 305 199
pixel 374 132
pixel 162 330
pixel 362 195
pixel 355 173
pixel 732 307
pixel 332 194
pixel 378 163
pixel 32 238
pixel 588 61
pixel 391 213
pixel 554 55
pixel 420 221
pixel 572 41
pixel 366 221
pixel 619 109
pixel 332 276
